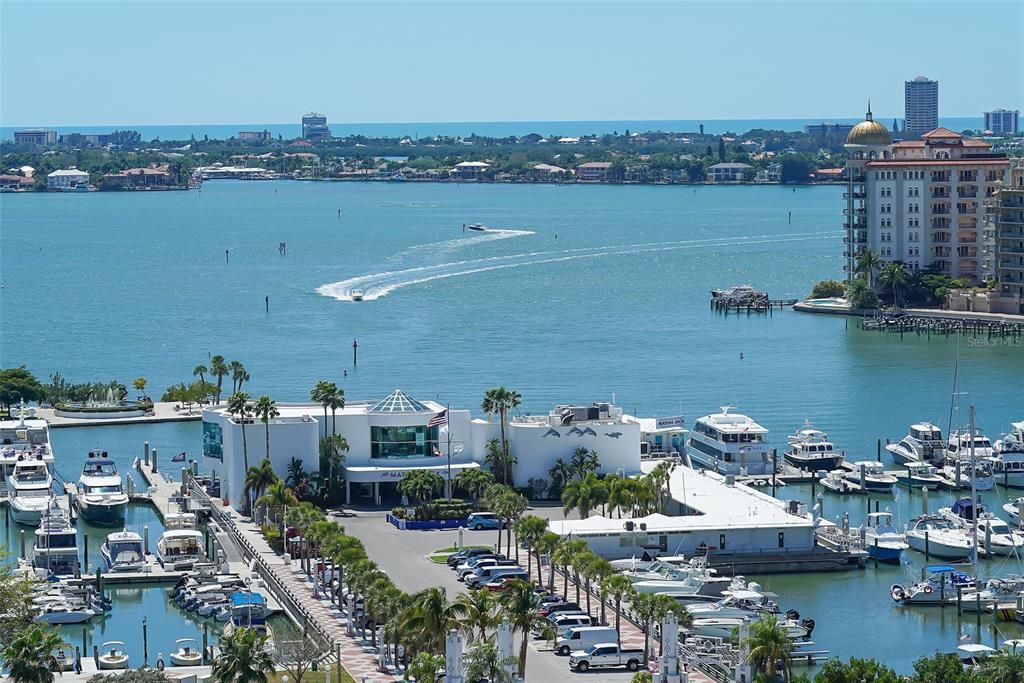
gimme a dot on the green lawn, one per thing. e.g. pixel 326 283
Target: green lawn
pixel 311 677
pixel 440 556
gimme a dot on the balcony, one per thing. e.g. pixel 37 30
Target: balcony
pixel 968 176
pixel 855 195
pixel 855 212
pixel 940 192
pixel 967 210
pixel 940 209
pixel 969 194
pixel 1012 265
pixel 941 237
pixel 967 237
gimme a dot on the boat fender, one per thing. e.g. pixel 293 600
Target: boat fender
pixel 793 614
pixel 809 625
pixel 897 592
pixel 927 589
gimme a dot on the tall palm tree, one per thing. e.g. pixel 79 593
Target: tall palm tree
pixel 200 372
pixel 238 375
pixel 618 587
pixel 620 493
pixel 476 612
pixel 336 402
pixel 768 645
pixel 319 394
pixel 243 658
pixel 218 368
pixel 529 529
pixel 29 657
pixel 238 405
pixel 430 619
pixel 501 401
pixel 584 495
pixel 602 570
pixel 277 497
pixel 584 566
pixel 521 605
pixel 332 448
pixel 584 462
pixel 867 263
pixel 546 545
pixel 266 410
pixel 259 478
pixel 893 275
pixel 512 506
pixel 565 552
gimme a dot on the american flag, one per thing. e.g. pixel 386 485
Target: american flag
pixel 439 419
pixel 180 457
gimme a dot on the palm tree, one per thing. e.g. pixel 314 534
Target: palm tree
pixel 218 368
pixel 560 473
pixel 238 405
pixel 585 567
pixel 499 461
pixel 893 275
pixel 768 645
pixel 618 587
pixel 565 552
pixel 200 372
pixel 602 570
pixel 29 657
pixel 319 394
pixel 335 401
pixel 243 658
pixel 546 545
pixel 529 530
pixel 332 447
pixel 238 375
pixel 476 612
pixel 867 263
pixel 521 605
pixel 431 617
pixel 474 482
pixel 584 462
pixel 501 401
pixel 296 472
pixel 266 410
pixel 651 608
pixel 620 493
pixel 510 506
pixel 277 498
pixel 424 667
pixel 584 495
pixel 659 477
pixel 258 478
pixel 1003 667
pixel 483 661
pixel 421 484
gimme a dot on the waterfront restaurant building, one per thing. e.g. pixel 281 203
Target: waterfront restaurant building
pixel 390 437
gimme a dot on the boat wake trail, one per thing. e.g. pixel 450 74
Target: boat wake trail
pixel 469 240
pixel 377 285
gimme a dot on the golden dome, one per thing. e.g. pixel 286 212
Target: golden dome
pixel 869 132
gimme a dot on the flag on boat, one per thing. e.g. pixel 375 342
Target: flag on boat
pixel 180 457
pixel 439 419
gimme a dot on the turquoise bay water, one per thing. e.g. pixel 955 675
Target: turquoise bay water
pixel 600 291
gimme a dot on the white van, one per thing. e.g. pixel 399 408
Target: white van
pixel 582 637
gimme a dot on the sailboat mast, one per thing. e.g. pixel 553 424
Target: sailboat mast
pixel 974 491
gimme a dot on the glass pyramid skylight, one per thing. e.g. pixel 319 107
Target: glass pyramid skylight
pixel 399 402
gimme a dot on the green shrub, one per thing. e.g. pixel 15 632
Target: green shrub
pixel 273 536
pixel 827 289
pixel 398 512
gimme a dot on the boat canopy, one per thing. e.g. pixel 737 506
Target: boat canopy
pixel 241 599
pixel 965 508
pixel 939 568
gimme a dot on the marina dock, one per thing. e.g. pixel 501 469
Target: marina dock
pixel 162 412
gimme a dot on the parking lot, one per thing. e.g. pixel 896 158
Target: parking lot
pixel 403 555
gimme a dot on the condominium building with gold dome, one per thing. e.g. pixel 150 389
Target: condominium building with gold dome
pixel 920 202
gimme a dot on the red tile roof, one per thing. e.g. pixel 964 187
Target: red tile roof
pixel 941 133
pixel 939 162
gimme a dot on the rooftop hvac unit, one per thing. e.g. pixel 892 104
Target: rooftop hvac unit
pixel 730 480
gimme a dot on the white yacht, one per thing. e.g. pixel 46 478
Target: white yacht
pixel 1013 508
pixel 869 475
pixel 23 435
pixel 923 444
pixel 922 474
pixel 881 539
pixel 959 472
pixel 101 497
pixel 993 535
pixel 943 538
pixel 1008 458
pixel 181 545
pixel 810 450
pixel 55 547
pixel 29 488
pixel 726 627
pixel 123 551
pixel 646 562
pixel 742 604
pixel 939 587
pixel 730 443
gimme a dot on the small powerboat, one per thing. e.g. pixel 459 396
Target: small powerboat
pixel 972 654
pixel 993 534
pixel 357 295
pixel 924 443
pixel 123 551
pixel 476 227
pixel 187 653
pixel 113 656
pixel 939 587
pixel 881 539
pixel 869 475
pixel 921 474
pixel 959 472
pixel 939 537
pixel 810 450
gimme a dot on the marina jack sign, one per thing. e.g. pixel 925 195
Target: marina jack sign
pixel 668 422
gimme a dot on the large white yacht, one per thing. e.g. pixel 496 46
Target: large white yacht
pixel 959 445
pixel 1008 458
pixel 810 450
pixel 923 444
pixel 55 548
pixel 101 497
pixel 123 551
pixel 29 489
pixel 730 443
pixel 23 435
pixel 182 545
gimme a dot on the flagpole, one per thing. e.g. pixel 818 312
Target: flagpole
pixel 448 420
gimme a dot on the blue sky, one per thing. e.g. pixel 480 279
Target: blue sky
pixel 158 62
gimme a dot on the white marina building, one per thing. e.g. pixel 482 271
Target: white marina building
pixel 389 438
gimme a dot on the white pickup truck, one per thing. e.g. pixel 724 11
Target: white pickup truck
pixel 605 654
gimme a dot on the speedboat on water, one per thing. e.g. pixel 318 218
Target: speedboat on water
pixel 810 450
pixel 645 562
pixel 101 497
pixel 923 444
pixel 939 537
pixel 921 474
pixel 475 227
pixel 29 487
pixel 881 539
pixel 1013 508
pixel 187 653
pixel 357 295
pixel 869 475
pixel 995 591
pixel 939 587
pixel 112 656
pixel 959 472
pixel 123 551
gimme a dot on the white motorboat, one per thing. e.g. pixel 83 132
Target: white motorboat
pixel 55 544
pixel 993 534
pixel 112 656
pixel 939 587
pixel 187 653
pixel 922 444
pixel 357 295
pixel 730 443
pixel 881 539
pixel 23 436
pixel 958 446
pixel 645 562
pixel 995 591
pixel 973 654
pixel 249 610
pixel 959 472
pixel 663 569
pixel 1013 508
pixel 810 450
pixel 922 475
pixel 939 537
pixel 475 227
pixel 869 475
pixel 726 627
pixel 29 487
pixel 709 585
pixel 123 551
pixel 182 545
pixel 101 497
pixel 1008 458
pixel 742 603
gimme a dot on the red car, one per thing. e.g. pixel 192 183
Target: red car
pixel 503 582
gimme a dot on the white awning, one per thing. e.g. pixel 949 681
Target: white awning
pixel 379 474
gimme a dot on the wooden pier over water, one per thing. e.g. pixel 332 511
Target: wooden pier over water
pixel 746 298
pixel 939 325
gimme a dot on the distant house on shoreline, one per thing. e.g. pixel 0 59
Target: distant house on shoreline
pixel 67 179
pixel 593 171
pixel 134 178
pixel 468 170
pixel 729 173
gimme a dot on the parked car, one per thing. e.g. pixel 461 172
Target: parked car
pixel 491 573
pixel 485 520
pixel 489 562
pixel 503 582
pixel 583 637
pixel 564 620
pixel 556 607
pixel 457 558
pixel 605 655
